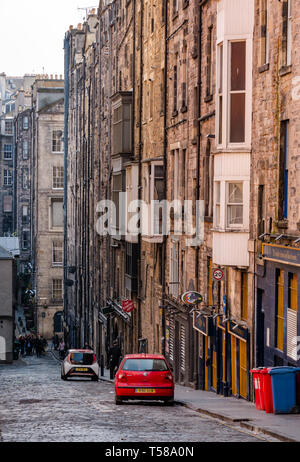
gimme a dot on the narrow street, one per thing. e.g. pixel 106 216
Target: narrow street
pixel 37 406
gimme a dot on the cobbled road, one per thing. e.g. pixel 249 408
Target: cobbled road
pixel 37 406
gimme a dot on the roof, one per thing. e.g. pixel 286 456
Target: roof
pixel 11 245
pixel 144 356
pixel 81 351
pixel 4 255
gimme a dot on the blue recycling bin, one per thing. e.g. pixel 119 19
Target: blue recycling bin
pixel 284 388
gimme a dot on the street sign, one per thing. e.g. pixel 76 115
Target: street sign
pixel 192 298
pixel 218 275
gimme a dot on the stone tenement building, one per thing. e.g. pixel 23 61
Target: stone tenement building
pixel 194 101
pixel 47 203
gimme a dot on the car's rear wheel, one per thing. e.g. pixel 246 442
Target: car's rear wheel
pixel 118 401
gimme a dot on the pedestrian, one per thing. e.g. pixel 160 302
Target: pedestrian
pixel 114 358
pixel 61 349
pixel 87 346
pixel 44 345
pixel 55 342
pixel 38 347
pixel 22 345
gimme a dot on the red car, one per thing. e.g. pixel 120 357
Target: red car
pixel 144 377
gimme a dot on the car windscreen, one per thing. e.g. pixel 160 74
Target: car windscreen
pixel 143 365
pixel 82 358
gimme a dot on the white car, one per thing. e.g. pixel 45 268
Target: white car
pixel 80 363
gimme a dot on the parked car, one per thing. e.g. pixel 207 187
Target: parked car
pixel 144 377
pixel 80 363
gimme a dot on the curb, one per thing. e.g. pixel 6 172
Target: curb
pixel 237 422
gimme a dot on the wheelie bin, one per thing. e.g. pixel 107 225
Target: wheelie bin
pixel 258 388
pixel 283 388
pixel 267 390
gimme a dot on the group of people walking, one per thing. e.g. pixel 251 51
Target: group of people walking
pixel 28 345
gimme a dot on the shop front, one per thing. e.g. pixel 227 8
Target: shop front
pixel 278 298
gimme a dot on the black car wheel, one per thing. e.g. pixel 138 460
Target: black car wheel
pixel 95 379
pixel 169 402
pixel 118 401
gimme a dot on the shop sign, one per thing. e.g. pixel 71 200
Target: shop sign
pixel 238 331
pixel 192 298
pixel 202 323
pixel 280 253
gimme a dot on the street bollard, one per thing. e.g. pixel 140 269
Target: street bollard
pixel 102 365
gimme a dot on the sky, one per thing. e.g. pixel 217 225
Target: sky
pixel 32 34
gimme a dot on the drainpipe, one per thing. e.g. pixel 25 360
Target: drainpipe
pixel 66 134
pixel 164 248
pixel 140 159
pixel 133 148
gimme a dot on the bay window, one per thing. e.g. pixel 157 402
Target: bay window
pixel 237 91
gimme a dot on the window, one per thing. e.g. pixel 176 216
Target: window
pixel 279 313
pixel 175 7
pixel 8 151
pixel 117 189
pixel 25 179
pixel 175 87
pixel 293 292
pixel 261 210
pixel 287 32
pixel 264 32
pixel 234 204
pixel 284 170
pixel 57 214
pixel 7 178
pixel 237 92
pixel 244 295
pixel 218 203
pixel 25 123
pixel 174 270
pixel 25 240
pixel 57 293
pixel 209 73
pixel 57 143
pixel 58 178
pixel 122 139
pixel 25 149
pixel 25 214
pixel 57 253
pixel 7 204
pixel 220 93
pixel 8 127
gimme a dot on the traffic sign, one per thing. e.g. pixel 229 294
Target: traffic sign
pixel 218 275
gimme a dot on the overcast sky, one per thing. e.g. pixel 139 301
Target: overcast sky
pixel 32 33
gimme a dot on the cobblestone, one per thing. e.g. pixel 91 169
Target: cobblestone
pixel 37 406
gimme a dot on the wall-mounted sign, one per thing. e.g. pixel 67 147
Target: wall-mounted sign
pixel 202 323
pixel 238 331
pixel 281 254
pixel 192 298
pixel 218 274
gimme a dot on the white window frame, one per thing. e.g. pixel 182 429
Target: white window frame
pixel 61 142
pixel 226 144
pixel 56 248
pixel 57 178
pixel 5 152
pixel 25 152
pixel 7 177
pixel 25 123
pixel 227 205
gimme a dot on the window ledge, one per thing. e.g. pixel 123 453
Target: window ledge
pixel 283 224
pixel 230 230
pixel 263 68
pixel 284 70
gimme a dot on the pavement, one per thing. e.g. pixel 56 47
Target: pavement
pixel 285 427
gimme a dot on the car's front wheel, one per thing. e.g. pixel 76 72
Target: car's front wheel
pixel 63 377
pixel 169 402
pixel 95 379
